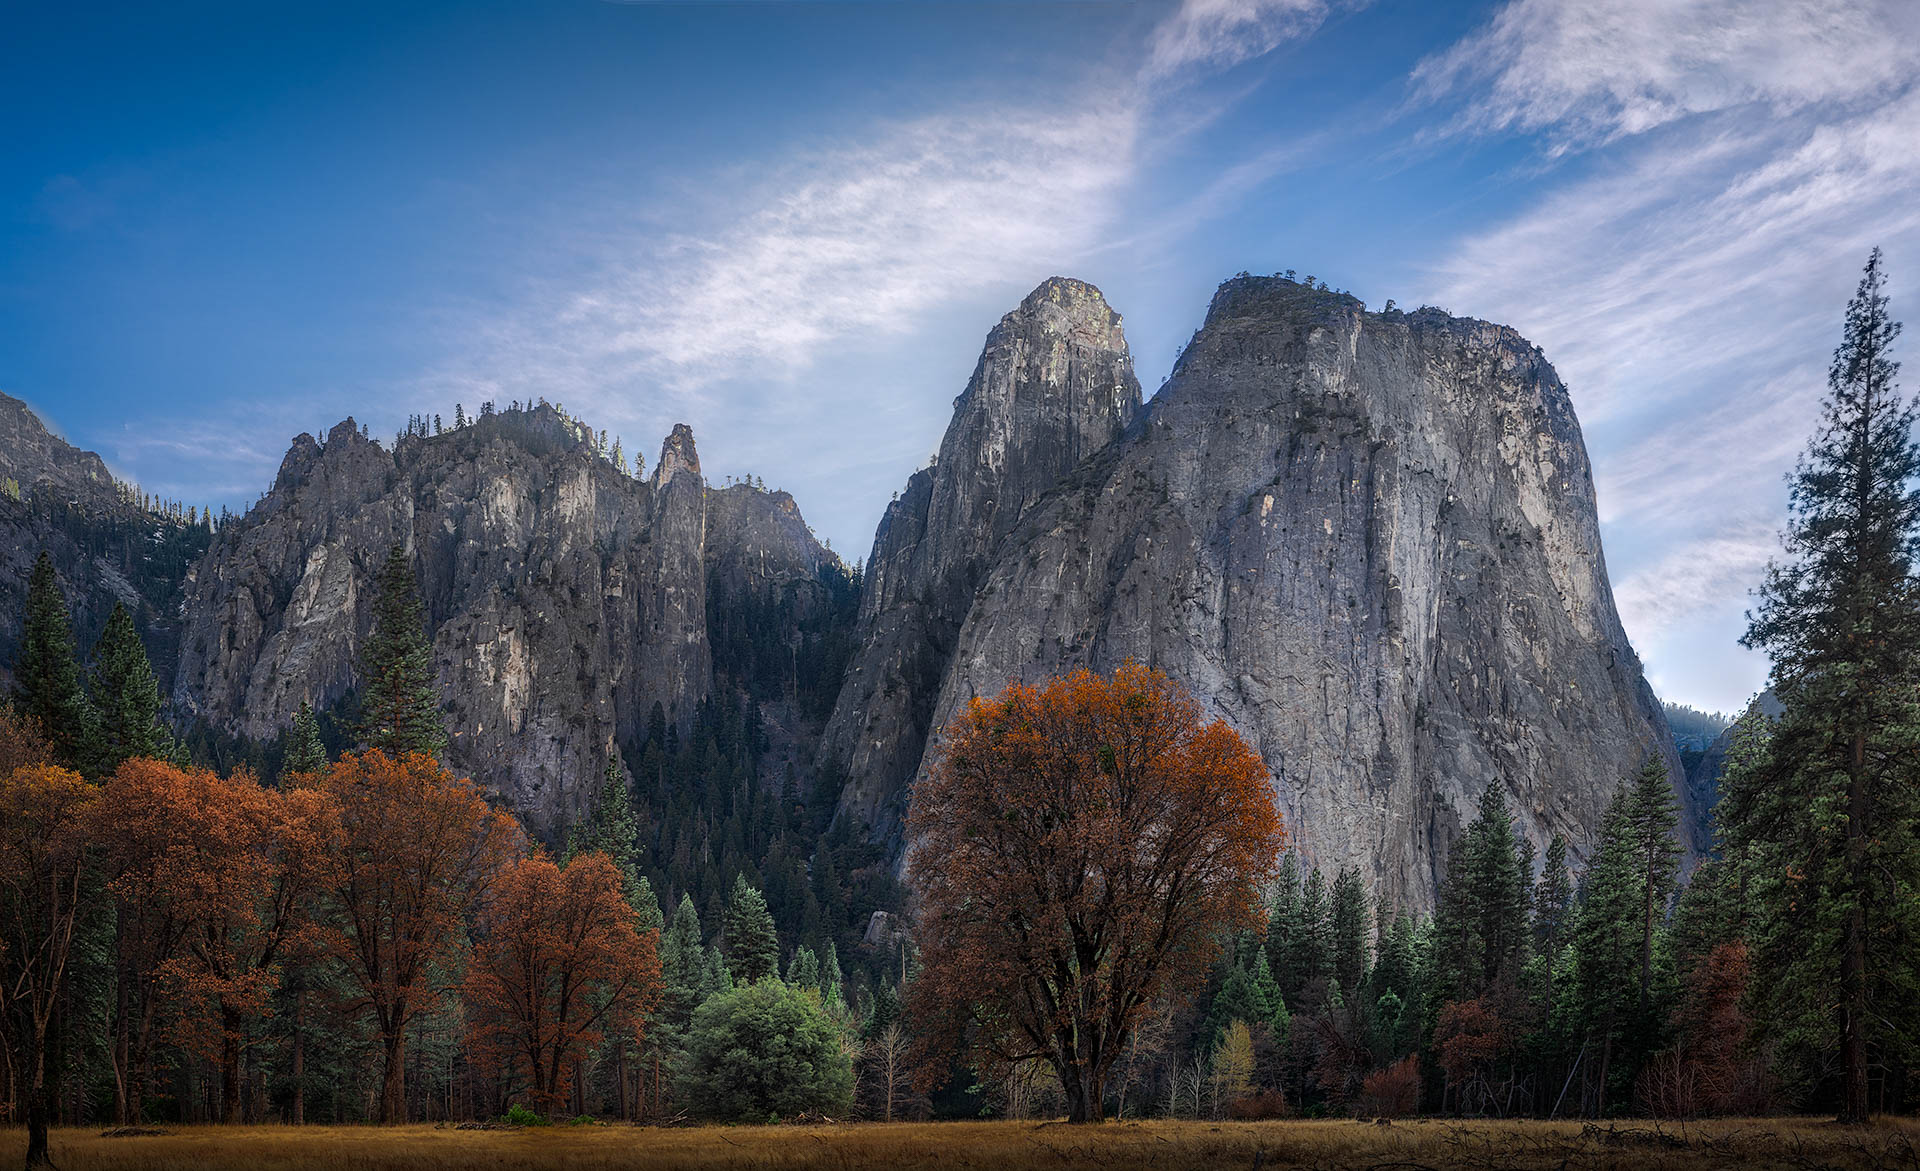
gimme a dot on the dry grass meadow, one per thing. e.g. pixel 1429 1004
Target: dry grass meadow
pixel 1114 1146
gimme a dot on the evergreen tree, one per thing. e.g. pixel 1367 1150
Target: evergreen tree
pixel 1481 919
pixel 1831 820
pixel 306 754
pixel 1652 814
pixel 126 698
pixel 399 696
pixel 614 827
pixel 753 950
pixel 1349 928
pixel 1552 898
pixel 46 674
pixel 1606 944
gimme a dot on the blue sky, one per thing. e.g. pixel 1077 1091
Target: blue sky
pixel 792 225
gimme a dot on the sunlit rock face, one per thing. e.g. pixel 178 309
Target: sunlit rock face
pixel 1367 540
pixel 564 597
pixel 1053 386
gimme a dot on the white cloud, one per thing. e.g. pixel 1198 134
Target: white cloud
pixel 1219 34
pixel 1591 71
pixel 1689 283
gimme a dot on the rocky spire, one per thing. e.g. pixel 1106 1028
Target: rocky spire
pixel 1053 386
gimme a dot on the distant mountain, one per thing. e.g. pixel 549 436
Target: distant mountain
pixel 106 546
pixel 565 598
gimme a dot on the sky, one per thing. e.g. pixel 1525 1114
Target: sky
pixel 792 225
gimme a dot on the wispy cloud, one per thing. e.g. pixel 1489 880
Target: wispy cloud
pixel 1591 71
pixel 862 238
pixel 1209 35
pixel 1689 283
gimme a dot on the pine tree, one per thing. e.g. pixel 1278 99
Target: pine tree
pixel 1652 814
pixel 1831 821
pixel 400 698
pixel 306 754
pixel 614 827
pixel 126 698
pixel 1481 919
pixel 46 674
pixel 753 950
pixel 1349 928
pixel 1606 942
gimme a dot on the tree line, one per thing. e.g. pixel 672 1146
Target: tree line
pixel 369 938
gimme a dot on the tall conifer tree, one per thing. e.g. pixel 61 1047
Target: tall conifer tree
pixel 126 698
pixel 399 695
pixel 1832 817
pixel 47 674
pixel 306 753
pixel 753 950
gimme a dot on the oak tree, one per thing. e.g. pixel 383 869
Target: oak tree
pixel 416 850
pixel 561 962
pixel 1080 849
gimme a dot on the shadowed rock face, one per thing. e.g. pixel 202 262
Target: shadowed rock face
pixel 1368 541
pixel 106 549
pixel 564 597
pixel 1053 386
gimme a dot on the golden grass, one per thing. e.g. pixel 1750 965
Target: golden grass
pixel 1115 1146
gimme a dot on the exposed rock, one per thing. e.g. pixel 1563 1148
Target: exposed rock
pixel 564 598
pixel 1703 777
pixel 1054 385
pixel 105 547
pixel 1367 540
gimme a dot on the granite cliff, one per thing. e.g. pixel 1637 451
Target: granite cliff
pixel 565 598
pixel 1053 386
pixel 1367 540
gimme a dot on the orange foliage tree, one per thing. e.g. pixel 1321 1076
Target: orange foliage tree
pixel 1079 849
pixel 1471 1037
pixel 212 878
pixel 560 960
pixel 44 863
pixel 415 852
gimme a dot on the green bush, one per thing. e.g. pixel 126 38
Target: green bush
pixel 766 1049
pixel 519 1115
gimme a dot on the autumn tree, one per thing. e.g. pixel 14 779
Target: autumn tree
pixel 1832 824
pixel 561 962
pixel 247 863
pixel 1079 849
pixel 399 693
pixel 416 849
pixel 44 864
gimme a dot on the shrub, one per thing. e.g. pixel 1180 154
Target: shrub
pixel 1393 1092
pixel 1258 1105
pixel 521 1115
pixel 766 1049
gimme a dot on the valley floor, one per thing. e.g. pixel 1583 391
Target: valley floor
pixel 1115 1146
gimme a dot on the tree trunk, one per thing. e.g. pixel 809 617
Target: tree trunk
pixel 1853 975
pixel 1083 1094
pixel 300 1058
pixel 393 1090
pixel 230 1075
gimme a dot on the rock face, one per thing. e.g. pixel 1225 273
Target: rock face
pixel 1366 540
pixel 564 597
pixel 1053 386
pixel 106 548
